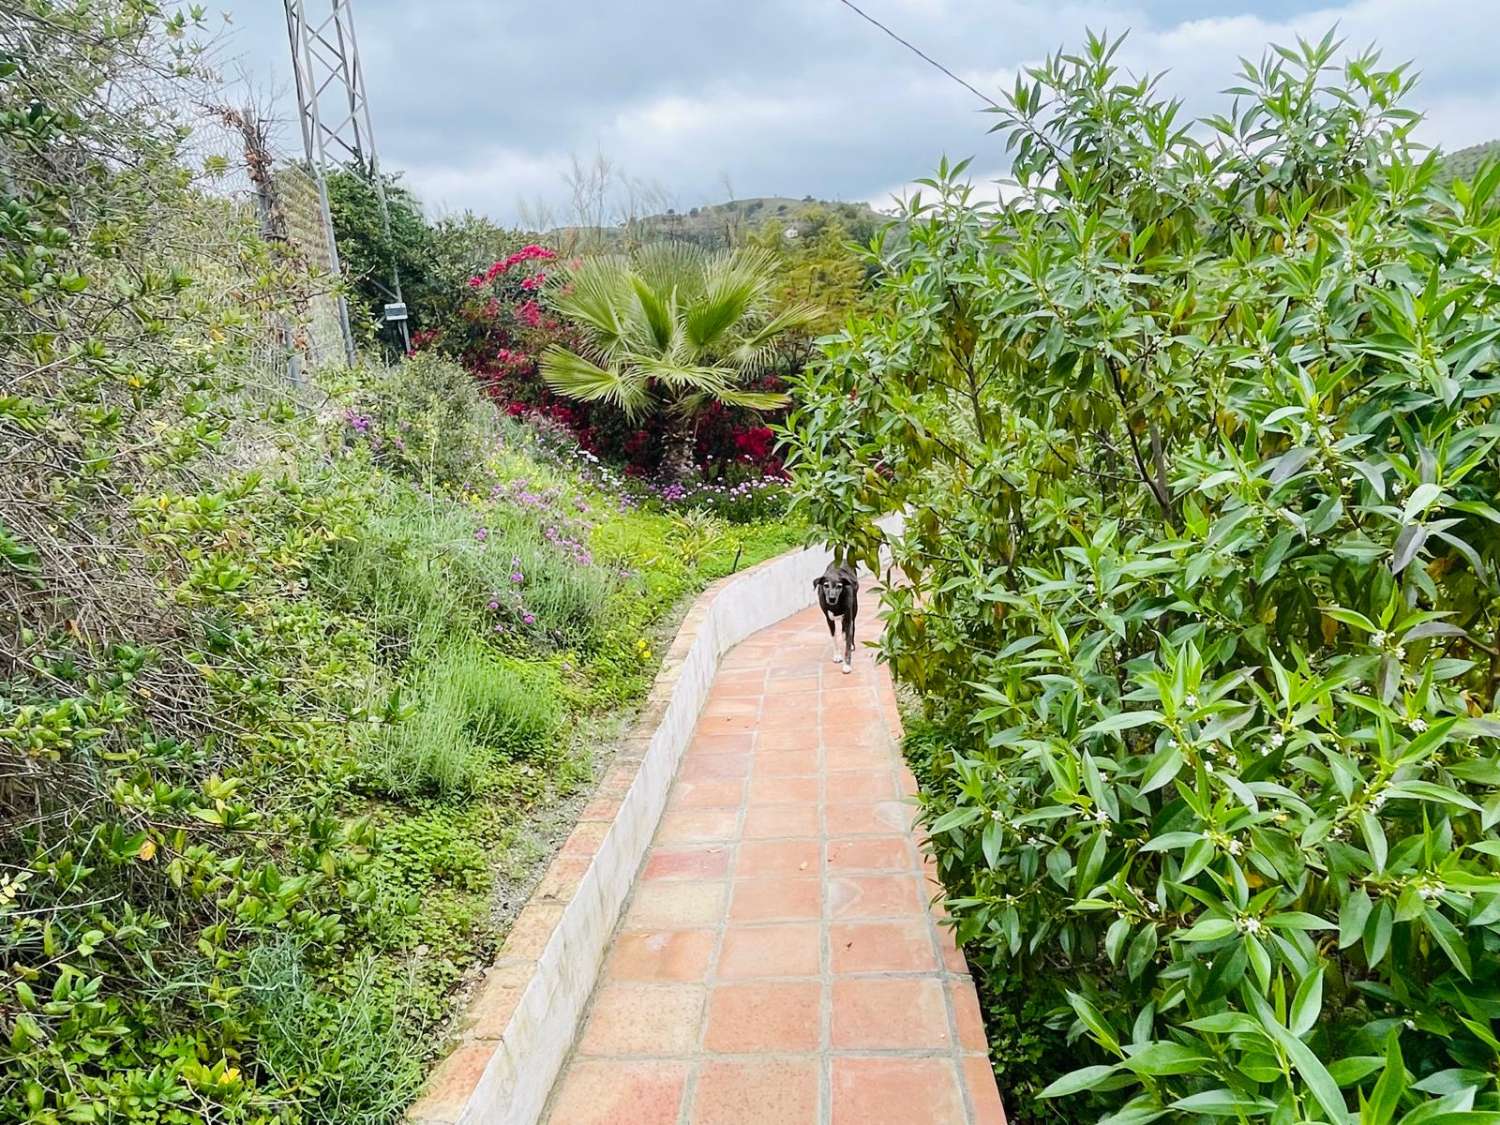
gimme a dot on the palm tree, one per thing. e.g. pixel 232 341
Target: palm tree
pixel 668 330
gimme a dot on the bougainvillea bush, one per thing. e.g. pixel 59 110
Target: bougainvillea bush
pixel 508 318
pixel 1197 435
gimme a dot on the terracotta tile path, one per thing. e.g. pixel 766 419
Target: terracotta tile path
pixel 777 963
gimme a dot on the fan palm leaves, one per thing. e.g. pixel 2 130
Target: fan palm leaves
pixel 671 329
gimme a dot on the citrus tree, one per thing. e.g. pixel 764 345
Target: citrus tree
pixel 1196 432
pixel 670 330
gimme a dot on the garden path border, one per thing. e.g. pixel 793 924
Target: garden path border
pixel 516 1032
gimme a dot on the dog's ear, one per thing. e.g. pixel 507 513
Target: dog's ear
pixel 818 582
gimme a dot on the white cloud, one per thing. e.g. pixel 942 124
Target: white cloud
pixel 482 103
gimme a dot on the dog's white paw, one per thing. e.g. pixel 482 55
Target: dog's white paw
pixel 837 658
pixel 847 668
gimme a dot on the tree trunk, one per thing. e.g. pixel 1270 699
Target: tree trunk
pixel 678 461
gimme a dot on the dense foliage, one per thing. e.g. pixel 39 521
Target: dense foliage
pixel 1196 434
pixel 431 258
pixel 668 332
pixel 290 687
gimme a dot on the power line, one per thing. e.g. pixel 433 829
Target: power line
pixel 928 59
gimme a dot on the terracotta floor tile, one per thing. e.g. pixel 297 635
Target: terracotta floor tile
pixel 715 793
pixel 760 858
pixel 785 763
pixel 863 785
pixel 715 767
pixel 705 861
pixel 764 1016
pixel 677 904
pixel 697 826
pixel 784 790
pixel 840 755
pixel 705 743
pixel 719 707
pixel 806 738
pixel 772 821
pixel 878 818
pixel 872 853
pixel 662 955
pixel 871 1013
pixel 979 1077
pixel 894 1091
pixel 787 849
pixel 614 1091
pixel 788 949
pixel 882 947
pixel 971 1035
pixel 756 1092
pixel 874 896
pixel 728 724
pixel 644 1019
pixel 775 900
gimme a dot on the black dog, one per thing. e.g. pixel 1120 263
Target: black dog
pixel 838 596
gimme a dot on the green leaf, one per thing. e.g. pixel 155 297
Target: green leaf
pixel 1385 1098
pixel 1114 940
pixel 956 818
pixel 1208 929
pixel 1092 1020
pixel 1307 1064
pixel 1224 1103
pixel 1123 720
pixel 1352 917
pixel 1076 1081
pixel 1448 937
pixel 1307 1003
pixel 1163 767
pixel 1165 1057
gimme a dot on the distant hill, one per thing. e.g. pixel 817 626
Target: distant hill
pixel 1462 165
pixel 717 225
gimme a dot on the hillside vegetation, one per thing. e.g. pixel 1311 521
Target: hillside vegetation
pixel 1466 162
pixel 723 225
pixel 298 686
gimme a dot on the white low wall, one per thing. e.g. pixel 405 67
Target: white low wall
pixel 523 1022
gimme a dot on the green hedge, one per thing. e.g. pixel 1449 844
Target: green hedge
pixel 1197 432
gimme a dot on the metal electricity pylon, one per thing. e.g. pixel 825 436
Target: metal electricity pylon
pixel 334 113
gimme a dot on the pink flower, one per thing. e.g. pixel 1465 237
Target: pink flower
pixel 482 534
pixel 476 281
pixel 534 282
pixel 530 313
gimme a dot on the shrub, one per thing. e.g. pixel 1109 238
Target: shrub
pixel 469 708
pixel 1197 437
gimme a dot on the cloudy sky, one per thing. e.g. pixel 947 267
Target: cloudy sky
pixel 482 103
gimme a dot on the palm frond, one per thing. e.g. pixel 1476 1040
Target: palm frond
pixel 680 376
pixel 656 311
pixel 572 375
pixel 761 344
pixel 666 266
pixel 754 400
pixel 596 293
pixel 736 285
